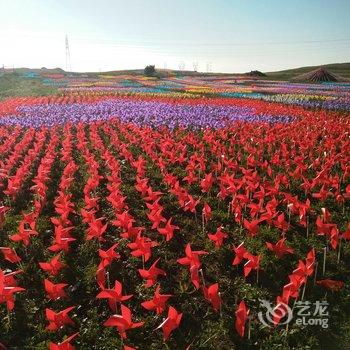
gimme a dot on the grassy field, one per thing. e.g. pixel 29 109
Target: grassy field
pixel 12 84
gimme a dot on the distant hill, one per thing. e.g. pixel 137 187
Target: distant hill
pixel 160 72
pixel 339 69
pixel 14 82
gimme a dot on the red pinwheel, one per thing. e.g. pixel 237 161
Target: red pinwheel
pixel 192 260
pixel 10 255
pixel 123 322
pixel 304 270
pixel 8 287
pixel 132 232
pixel 107 256
pixel 62 239
pixel 323 194
pixel 323 228
pixel 334 237
pixel 218 237
pixel 190 204
pixel 192 256
pixel 168 230
pixel 291 290
pixel 303 209
pixel 212 294
pixel 117 201
pixel 156 218
pixel 141 185
pixel 124 220
pixel 281 223
pixel 152 195
pixel 155 206
pixel 252 227
pixel 101 277
pixel 207 183
pixel 54 266
pixel 63 205
pixel 169 179
pixel 65 345
pixel 268 215
pixel 158 303
pixel 139 165
pixel 346 234
pixel 55 291
pixel 255 209
pixel 23 234
pixel 171 322
pixel 151 274
pixel 280 248
pixel 310 261
pixel 3 211
pixel 91 203
pixel 241 254
pixel 326 228
pixel 206 212
pixel 96 229
pixel 142 247
pixel 126 347
pixel 251 264
pixel 331 285
pixel 241 318
pixel 58 319
pixel 87 215
pixel 190 178
pixel 114 296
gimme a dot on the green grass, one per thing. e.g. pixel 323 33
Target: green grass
pixel 12 84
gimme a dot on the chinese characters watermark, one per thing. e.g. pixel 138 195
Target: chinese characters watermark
pixel 304 313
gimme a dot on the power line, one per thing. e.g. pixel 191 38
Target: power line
pixel 169 43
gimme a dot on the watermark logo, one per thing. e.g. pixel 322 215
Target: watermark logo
pixel 304 313
pixel 281 314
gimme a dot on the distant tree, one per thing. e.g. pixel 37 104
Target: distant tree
pixel 150 71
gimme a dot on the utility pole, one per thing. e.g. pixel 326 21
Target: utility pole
pixel 68 65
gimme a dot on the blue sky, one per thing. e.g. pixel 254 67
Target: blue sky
pixel 217 35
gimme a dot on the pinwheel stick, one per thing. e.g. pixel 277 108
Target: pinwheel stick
pixel 202 275
pixel 288 212
pixel 249 326
pixel 304 288
pixel 108 282
pixel 203 223
pixel 324 260
pixel 339 249
pixel 8 318
pixel 315 273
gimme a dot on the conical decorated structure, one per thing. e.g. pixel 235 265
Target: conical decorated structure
pixel 319 75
